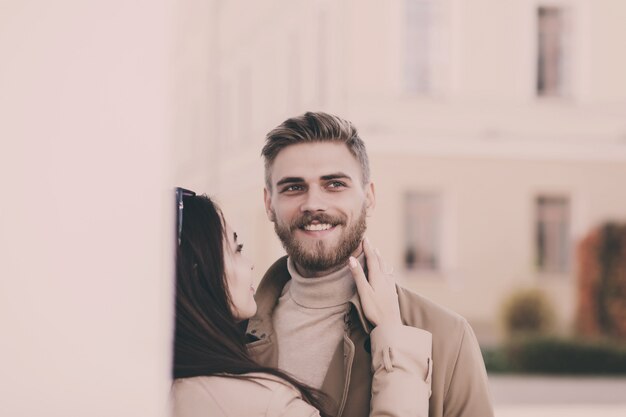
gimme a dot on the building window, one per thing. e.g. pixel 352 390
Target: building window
pixel 553 233
pixel 423 45
pixel 423 231
pixel 553 55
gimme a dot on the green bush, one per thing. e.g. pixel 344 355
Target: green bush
pixel 496 360
pixel 562 356
pixel 552 355
pixel 527 311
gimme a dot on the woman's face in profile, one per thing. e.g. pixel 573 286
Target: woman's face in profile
pixel 238 277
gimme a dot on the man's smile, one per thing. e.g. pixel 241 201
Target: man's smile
pixel 317 224
pixel 317 227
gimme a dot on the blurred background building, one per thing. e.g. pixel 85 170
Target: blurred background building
pixel 496 131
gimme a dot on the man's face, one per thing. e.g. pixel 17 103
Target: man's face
pixel 318 203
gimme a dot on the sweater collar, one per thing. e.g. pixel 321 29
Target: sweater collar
pixel 330 290
pixel 269 291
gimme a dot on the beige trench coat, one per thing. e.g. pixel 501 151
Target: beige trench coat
pixel 459 380
pixel 401 384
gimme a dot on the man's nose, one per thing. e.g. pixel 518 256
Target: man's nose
pixel 315 200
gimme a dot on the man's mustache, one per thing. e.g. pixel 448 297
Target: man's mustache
pixel 307 218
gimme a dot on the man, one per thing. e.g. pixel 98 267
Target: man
pixel 309 322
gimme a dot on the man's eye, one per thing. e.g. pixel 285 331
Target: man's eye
pixel 294 187
pixel 336 184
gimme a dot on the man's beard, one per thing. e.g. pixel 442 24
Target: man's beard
pixel 321 257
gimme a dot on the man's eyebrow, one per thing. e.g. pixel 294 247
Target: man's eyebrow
pixel 335 176
pixel 289 180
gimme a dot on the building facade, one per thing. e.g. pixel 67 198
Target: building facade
pixel 496 131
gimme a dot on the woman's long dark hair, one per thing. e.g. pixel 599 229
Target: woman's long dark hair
pixel 208 340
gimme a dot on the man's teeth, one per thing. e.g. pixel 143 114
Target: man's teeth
pixel 317 227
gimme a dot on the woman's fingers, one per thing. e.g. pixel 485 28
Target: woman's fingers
pixel 373 266
pixel 377 291
pixel 369 298
pixel 359 277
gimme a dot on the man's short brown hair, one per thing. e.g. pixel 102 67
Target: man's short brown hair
pixel 314 127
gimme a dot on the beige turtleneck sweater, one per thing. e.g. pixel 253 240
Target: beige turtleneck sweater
pixel 309 322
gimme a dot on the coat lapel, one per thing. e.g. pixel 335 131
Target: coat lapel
pixel 264 348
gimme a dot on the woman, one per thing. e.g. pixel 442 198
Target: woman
pixel 214 375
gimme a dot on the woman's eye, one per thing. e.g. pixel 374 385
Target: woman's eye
pixel 239 248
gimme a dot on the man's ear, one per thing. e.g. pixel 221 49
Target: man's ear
pixel 267 197
pixel 370 199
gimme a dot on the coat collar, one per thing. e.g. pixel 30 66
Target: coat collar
pixel 356 305
pixel 260 326
pixel 352 353
pixel 268 293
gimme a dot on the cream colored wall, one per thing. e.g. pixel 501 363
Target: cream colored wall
pixel 103 110
pixel 192 93
pixel 605 64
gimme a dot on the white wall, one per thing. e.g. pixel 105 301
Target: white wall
pixel 95 105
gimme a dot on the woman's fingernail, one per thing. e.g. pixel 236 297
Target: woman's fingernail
pixel 352 262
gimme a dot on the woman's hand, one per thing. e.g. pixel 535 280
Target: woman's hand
pixel 379 298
